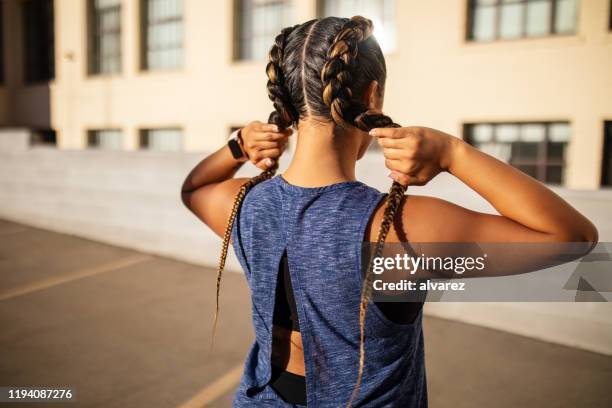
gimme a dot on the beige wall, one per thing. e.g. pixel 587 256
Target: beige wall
pixel 436 79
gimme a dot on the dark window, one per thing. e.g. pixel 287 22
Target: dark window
pixel 104 32
pixel 110 139
pixel 43 137
pixel 536 148
pixel 490 20
pixel 162 34
pixel 606 163
pixel 162 139
pixel 1 41
pixel 38 38
pixel 257 23
pixel 381 12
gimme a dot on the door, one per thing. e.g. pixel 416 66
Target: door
pixel 606 163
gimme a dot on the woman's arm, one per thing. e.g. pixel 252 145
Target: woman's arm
pixel 209 189
pixel 529 211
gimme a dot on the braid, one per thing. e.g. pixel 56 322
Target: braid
pixel 283 116
pixel 337 95
pixel 336 73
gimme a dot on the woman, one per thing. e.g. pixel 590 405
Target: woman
pixel 298 235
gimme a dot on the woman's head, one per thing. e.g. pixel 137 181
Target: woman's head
pixel 331 70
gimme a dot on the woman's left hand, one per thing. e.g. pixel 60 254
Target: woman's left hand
pixel 264 143
pixel 415 155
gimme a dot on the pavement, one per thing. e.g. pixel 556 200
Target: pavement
pixel 128 329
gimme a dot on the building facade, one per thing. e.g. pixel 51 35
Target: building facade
pixel 526 80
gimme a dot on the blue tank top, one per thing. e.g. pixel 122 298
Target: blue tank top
pixel 322 230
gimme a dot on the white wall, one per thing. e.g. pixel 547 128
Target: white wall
pixel 131 199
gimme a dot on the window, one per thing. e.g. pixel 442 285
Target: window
pixel 537 148
pixel 258 22
pixel 110 139
pixel 490 20
pixel 167 140
pixel 38 44
pixel 43 137
pixel 104 36
pixel 381 12
pixel 1 41
pixel 162 34
pixel 606 163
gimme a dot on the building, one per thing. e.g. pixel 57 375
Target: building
pixel 111 83
pixel 527 80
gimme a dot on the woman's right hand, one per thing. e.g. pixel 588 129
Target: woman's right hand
pixel 264 143
pixel 415 155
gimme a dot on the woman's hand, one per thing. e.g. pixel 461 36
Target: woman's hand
pixel 263 143
pixel 415 154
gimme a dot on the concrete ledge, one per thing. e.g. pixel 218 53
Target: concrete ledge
pixel 14 139
pixel 132 199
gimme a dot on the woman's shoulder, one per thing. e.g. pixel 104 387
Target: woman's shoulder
pixel 419 219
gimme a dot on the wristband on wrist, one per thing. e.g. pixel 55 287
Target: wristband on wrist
pixel 236 146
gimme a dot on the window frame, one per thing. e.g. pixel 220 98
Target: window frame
pixel 94 56
pixel 550 32
pixel 542 162
pixel 144 22
pixel 143 142
pixel 92 133
pixel 238 54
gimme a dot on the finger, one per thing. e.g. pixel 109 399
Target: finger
pixel 268 127
pixel 409 167
pixel 395 154
pixel 262 154
pixel 388 143
pixel 387 132
pixel 263 145
pixel 264 164
pixel 269 136
pixel 407 180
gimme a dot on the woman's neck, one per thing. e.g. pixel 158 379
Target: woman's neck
pixel 321 157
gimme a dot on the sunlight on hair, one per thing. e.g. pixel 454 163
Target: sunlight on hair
pixel 385 35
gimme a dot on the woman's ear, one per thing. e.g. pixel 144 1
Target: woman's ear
pixel 373 96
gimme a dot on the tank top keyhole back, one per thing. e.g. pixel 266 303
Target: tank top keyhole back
pixel 300 249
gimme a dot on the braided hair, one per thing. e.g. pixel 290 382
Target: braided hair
pixel 348 111
pixel 321 69
pixel 283 116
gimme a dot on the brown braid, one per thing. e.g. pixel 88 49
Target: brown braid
pixel 337 94
pixel 283 116
pixel 336 73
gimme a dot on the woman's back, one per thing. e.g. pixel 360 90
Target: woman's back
pixel 322 230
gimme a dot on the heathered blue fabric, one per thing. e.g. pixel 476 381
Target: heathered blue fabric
pixel 322 230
